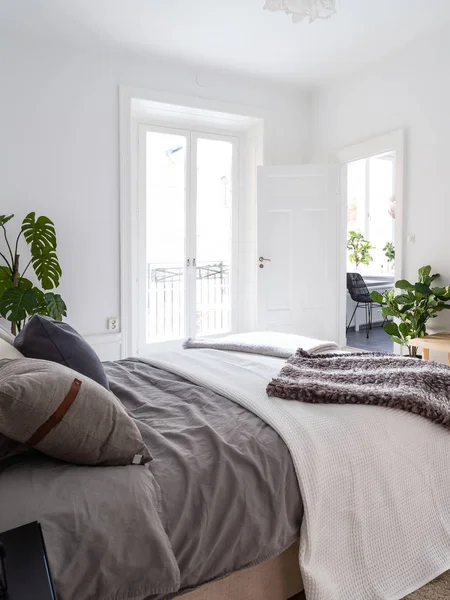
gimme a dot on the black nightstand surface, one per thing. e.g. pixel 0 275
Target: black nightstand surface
pixel 26 564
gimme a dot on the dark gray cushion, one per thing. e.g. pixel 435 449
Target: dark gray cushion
pixel 47 339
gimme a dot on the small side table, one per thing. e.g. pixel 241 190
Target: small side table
pixel 438 341
pixel 26 565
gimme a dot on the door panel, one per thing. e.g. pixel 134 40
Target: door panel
pixel 279 294
pixel 214 205
pixel 165 226
pixel 298 233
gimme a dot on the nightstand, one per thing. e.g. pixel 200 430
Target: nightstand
pixel 436 341
pixel 26 566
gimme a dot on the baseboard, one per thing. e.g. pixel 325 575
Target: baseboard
pixel 107 345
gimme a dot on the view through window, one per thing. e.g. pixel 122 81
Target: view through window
pixel 371 214
pixel 188 206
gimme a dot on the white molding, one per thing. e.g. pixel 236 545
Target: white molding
pixel 107 345
pixel 392 141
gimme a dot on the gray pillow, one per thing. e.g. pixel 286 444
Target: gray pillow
pixel 48 339
pixel 66 415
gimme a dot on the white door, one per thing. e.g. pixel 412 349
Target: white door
pixel 299 281
pixel 187 234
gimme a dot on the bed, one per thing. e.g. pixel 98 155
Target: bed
pixel 215 515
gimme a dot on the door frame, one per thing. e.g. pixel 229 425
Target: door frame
pixel 142 105
pixel 388 142
pixel 190 250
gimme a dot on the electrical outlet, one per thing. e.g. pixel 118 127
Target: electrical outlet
pixel 113 324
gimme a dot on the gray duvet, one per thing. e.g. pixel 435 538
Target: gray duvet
pixel 220 495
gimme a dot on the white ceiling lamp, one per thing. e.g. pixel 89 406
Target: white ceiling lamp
pixel 304 9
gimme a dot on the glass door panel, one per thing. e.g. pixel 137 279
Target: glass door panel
pixel 165 193
pixel 214 178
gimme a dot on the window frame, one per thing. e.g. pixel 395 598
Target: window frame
pixel 368 204
pixel 192 135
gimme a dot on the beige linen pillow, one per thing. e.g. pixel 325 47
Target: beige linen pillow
pixel 66 415
pixel 6 335
pixel 7 350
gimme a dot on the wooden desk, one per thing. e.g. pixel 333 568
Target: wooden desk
pixel 438 341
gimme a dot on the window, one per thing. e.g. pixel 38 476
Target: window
pixel 186 233
pixel 371 209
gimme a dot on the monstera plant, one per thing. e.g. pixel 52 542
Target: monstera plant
pixel 20 298
pixel 413 307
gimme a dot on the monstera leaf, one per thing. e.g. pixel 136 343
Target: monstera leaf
pixel 6 279
pixel 17 303
pixel 4 219
pixel 41 237
pixel 47 269
pixel 39 233
pixel 55 306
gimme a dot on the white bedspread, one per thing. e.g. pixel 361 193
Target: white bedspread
pixel 375 482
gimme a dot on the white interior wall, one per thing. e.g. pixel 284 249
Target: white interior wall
pixel 59 151
pixel 410 91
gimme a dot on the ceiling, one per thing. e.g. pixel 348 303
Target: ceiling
pixel 233 34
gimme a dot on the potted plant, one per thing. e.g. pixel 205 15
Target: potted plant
pixel 20 298
pixel 359 249
pixel 413 307
pixel 389 252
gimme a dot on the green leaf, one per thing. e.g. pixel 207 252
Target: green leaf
pixel 41 237
pixel 423 289
pixel 56 307
pixel 4 219
pixel 47 269
pixel 425 272
pixel 398 340
pixel 405 330
pixel 39 233
pixel 391 328
pixel 376 297
pixel 17 303
pixel 6 280
pixel 402 299
pixel 403 284
pixel 386 311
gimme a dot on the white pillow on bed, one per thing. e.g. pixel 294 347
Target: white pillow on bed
pixel 6 335
pixel 7 350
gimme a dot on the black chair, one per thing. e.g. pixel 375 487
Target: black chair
pixel 359 293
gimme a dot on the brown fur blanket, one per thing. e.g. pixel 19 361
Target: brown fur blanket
pixel 409 384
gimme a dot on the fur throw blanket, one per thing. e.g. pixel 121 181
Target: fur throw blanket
pixel 409 384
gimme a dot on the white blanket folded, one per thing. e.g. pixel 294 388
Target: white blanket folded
pixel 267 343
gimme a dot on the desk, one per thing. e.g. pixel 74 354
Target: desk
pixel 438 341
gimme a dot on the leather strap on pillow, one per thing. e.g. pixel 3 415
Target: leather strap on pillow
pixel 57 416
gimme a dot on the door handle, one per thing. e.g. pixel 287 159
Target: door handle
pixel 262 259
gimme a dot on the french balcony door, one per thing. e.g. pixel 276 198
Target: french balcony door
pixel 187 234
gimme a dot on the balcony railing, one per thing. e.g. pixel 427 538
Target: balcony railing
pixel 166 297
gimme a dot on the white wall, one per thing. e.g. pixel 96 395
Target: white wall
pixel 411 91
pixel 59 151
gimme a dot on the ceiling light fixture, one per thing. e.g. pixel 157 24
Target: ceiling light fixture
pixel 303 9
